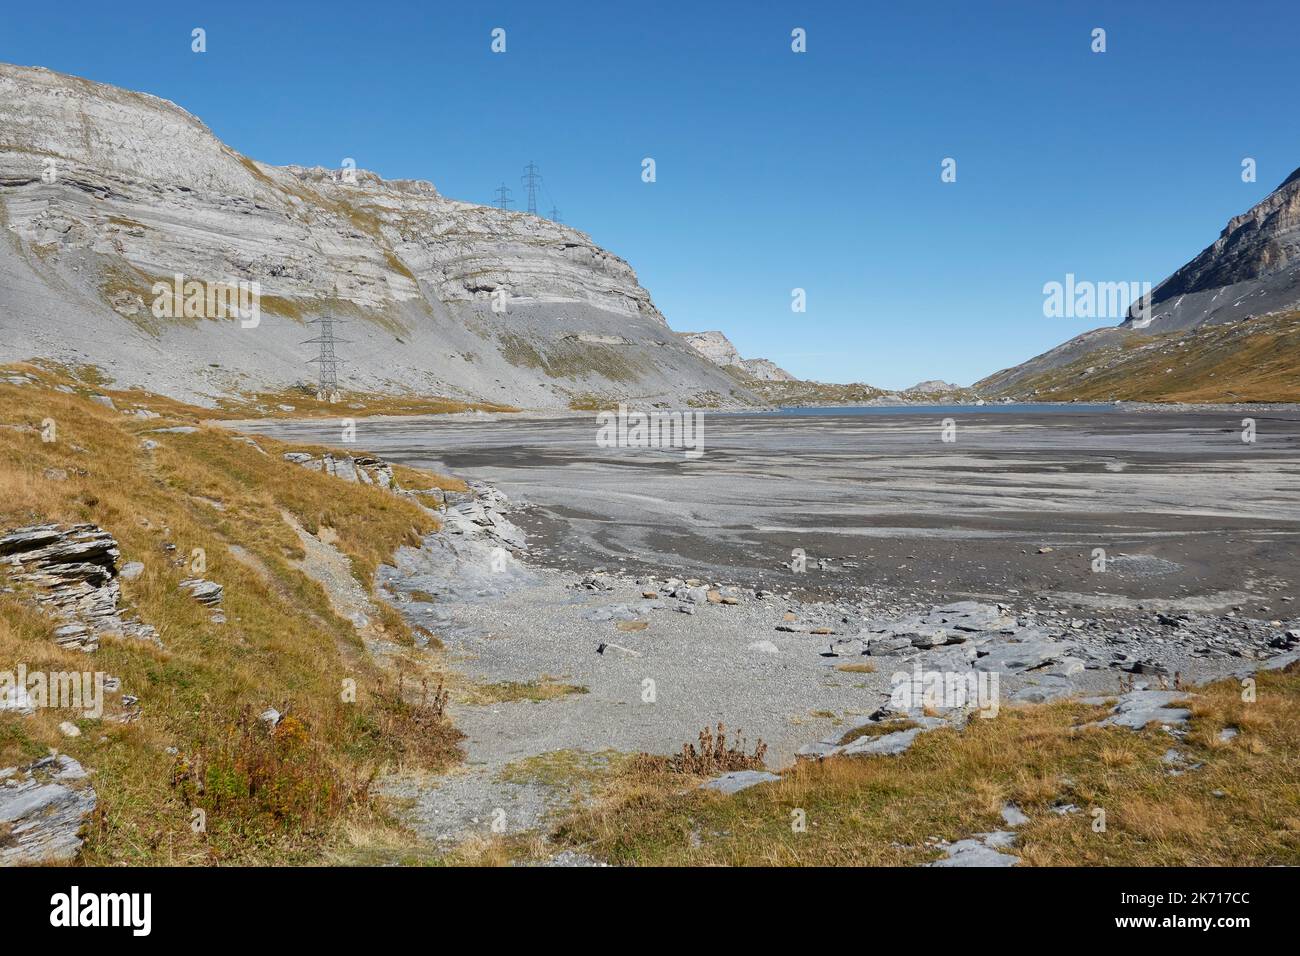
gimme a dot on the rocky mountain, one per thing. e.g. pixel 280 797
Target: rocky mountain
pixel 104 193
pixel 1248 278
pixel 931 387
pixel 718 349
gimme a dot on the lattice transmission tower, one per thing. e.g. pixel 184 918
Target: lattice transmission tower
pixel 327 389
pixel 503 197
pixel 531 180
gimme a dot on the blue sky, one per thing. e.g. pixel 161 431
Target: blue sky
pixel 775 170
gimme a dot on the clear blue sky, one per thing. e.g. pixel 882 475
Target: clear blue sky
pixel 775 170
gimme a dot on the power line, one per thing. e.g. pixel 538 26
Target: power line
pixel 531 181
pixel 503 197
pixel 555 215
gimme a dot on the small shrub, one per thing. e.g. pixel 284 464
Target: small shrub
pixel 712 756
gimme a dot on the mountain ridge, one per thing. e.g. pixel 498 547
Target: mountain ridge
pixel 105 192
pixel 1251 271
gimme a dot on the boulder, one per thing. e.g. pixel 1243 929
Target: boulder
pixel 71 571
pixel 42 807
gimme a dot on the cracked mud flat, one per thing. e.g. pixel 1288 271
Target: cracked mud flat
pixel 1200 526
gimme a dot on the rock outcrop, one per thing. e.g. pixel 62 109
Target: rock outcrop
pixel 104 192
pixel 1252 268
pixel 931 388
pixel 719 350
pixel 71 572
pixel 42 808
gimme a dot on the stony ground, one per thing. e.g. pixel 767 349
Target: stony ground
pixel 659 658
pixel 671 594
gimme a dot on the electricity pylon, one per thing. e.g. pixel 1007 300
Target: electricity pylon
pixel 328 388
pixel 531 180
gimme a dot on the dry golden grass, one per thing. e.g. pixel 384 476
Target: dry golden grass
pixel 1241 808
pixel 350 404
pixel 1253 361
pixel 856 668
pixel 544 688
pixel 85 379
pixel 713 755
pixel 415 480
pixel 282 797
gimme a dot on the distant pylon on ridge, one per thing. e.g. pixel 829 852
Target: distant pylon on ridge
pixel 503 197
pixel 531 180
pixel 555 215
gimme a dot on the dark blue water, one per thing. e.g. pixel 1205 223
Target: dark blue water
pixel 1033 408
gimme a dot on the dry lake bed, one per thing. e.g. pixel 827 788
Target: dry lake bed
pixel 976 555
pixel 1184 509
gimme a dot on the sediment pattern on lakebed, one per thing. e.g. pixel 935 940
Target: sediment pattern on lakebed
pixel 631 566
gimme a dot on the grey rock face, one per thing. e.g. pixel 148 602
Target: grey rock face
pixel 71 572
pixel 714 346
pixel 142 191
pixel 1252 269
pixel 930 387
pixel 42 805
pixel 766 370
pixel 1263 241
pixel 718 349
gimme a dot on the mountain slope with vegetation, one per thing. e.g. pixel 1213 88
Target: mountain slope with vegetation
pixel 185 731
pixel 1222 316
pixel 1254 360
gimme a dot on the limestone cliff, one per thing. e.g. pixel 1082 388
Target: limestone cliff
pixel 104 192
pixel 718 349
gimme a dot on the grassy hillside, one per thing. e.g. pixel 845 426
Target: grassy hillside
pixel 292 795
pixel 1253 361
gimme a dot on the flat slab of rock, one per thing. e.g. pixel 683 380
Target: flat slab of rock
pixel 1013 816
pixel 1046 689
pixel 884 744
pixel 1014 657
pixel 975 853
pixel 1138 708
pixel 739 780
pixel 42 806
pixel 205 592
